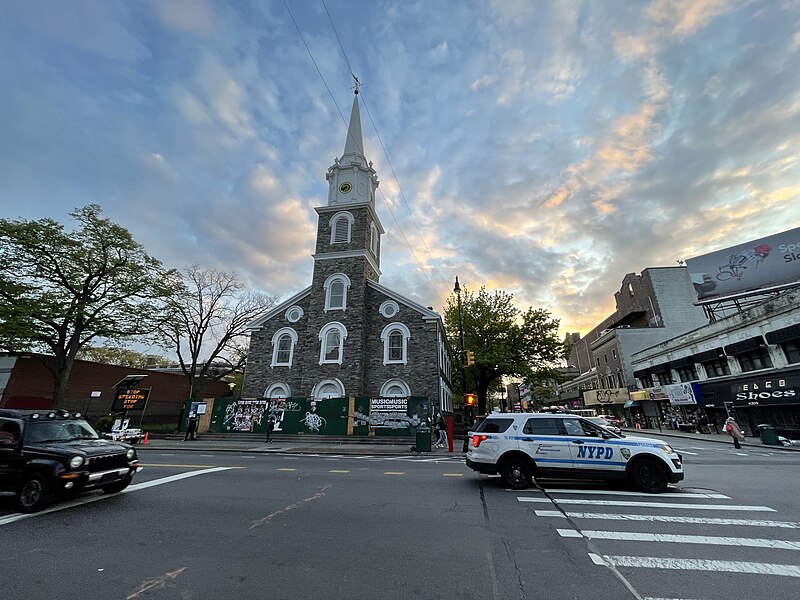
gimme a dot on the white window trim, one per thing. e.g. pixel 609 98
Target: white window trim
pixel 390 303
pixel 342 337
pixel 319 385
pixel 327 287
pixel 350 220
pixel 272 389
pixel 292 309
pixel 392 383
pixel 278 334
pixel 373 239
pixel 385 339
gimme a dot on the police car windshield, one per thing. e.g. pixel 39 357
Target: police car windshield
pixel 37 432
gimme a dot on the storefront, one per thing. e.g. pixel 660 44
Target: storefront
pixel 606 402
pixel 752 401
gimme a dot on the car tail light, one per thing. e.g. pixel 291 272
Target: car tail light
pixel 477 439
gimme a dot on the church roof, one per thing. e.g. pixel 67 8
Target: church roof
pixel 427 313
pixel 355 141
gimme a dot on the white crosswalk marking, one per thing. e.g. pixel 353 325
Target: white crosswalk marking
pixel 680 539
pixel 697 564
pixel 668 519
pixel 687 495
pixel 593 502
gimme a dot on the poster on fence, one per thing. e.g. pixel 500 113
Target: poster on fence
pixel 390 413
pixel 248 414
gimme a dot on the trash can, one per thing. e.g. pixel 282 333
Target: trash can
pixel 768 435
pixel 423 439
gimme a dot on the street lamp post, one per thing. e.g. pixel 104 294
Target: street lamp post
pixel 457 290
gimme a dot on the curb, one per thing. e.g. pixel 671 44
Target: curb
pixel 293 450
pixel 704 439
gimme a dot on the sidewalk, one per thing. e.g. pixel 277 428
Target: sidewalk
pixel 719 438
pixel 292 447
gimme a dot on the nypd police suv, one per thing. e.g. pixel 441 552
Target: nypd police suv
pixel 521 446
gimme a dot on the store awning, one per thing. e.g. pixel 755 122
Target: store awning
pixel 662 368
pixel 708 355
pixel 784 335
pixel 681 362
pixel 632 403
pixel 641 373
pixel 754 343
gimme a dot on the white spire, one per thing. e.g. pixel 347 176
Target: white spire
pixel 355 142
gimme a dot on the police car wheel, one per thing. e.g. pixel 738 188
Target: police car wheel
pixel 516 473
pixel 647 475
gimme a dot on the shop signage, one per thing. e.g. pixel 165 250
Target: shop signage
pixel 639 395
pixel 776 390
pixel 681 394
pixel 131 399
pixel 612 396
pixel 386 412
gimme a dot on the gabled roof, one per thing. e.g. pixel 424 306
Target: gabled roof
pixel 427 313
pixel 259 321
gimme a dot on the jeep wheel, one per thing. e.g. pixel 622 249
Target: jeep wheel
pixel 117 486
pixel 650 476
pixel 516 472
pixel 35 494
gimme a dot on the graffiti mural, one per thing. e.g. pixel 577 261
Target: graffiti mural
pixel 314 421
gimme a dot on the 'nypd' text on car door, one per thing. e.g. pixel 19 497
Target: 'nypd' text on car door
pixel 589 448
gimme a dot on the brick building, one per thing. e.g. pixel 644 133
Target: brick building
pixel 346 335
pixel 27 383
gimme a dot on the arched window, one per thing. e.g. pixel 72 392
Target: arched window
pixel 328 388
pixel 332 338
pixel 336 287
pixel 373 239
pixel 395 388
pixel 395 343
pixel 341 225
pixel 277 390
pixel 283 343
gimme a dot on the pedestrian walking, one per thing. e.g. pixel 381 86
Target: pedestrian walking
pixel 270 428
pixel 441 429
pixel 191 429
pixel 732 427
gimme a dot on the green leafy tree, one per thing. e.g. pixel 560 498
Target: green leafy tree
pixel 61 290
pixel 124 357
pixel 206 325
pixel 506 340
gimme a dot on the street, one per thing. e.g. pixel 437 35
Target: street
pixel 233 524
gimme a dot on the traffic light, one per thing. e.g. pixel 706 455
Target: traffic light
pixel 470 358
pixel 470 399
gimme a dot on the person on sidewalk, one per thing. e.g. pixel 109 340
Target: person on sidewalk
pixel 441 429
pixel 270 428
pixel 191 429
pixel 732 427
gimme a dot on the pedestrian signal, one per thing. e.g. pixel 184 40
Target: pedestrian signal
pixel 470 358
pixel 470 399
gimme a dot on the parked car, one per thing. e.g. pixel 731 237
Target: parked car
pixel 523 446
pixel 612 419
pixel 605 423
pixel 46 455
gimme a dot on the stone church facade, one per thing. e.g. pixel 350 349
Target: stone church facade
pixel 346 335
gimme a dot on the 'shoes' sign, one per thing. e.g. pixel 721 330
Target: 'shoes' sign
pixel 763 262
pixel 777 390
pixel 131 399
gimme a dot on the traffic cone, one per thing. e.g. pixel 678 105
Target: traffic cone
pixel 146 438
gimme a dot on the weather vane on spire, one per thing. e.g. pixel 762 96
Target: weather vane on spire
pixel 357 83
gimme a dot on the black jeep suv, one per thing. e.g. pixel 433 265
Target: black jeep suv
pixel 45 454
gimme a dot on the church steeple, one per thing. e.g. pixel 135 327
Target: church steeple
pixel 351 178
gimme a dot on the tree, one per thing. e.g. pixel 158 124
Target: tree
pixel 505 340
pixel 206 324
pixel 124 357
pixel 61 290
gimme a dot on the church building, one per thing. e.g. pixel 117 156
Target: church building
pixel 346 335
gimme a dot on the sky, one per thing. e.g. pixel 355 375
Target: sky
pixel 541 148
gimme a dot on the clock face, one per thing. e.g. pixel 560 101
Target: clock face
pixel 345 187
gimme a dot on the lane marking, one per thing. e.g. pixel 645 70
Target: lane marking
pixel 97 497
pixel 741 453
pixel 338 471
pixel 207 455
pixel 689 453
pixel 285 469
pixel 696 564
pixel 452 474
pixel 167 454
pixel 178 466
pixel 632 536
pixel 394 473
pixel 646 495
pixel 593 502
pixel 667 519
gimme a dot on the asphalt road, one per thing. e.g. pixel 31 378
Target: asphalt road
pixel 233 525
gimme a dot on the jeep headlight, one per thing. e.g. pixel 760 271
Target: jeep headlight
pixel 667 449
pixel 75 462
pixel 131 454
